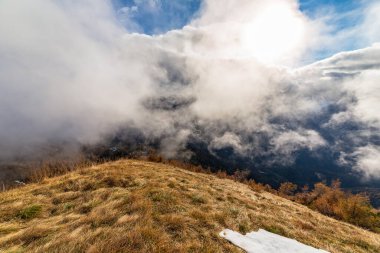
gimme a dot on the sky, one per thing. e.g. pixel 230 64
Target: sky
pixel 160 16
pixel 265 78
pixel 157 16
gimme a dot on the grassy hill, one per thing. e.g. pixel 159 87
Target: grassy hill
pixel 136 206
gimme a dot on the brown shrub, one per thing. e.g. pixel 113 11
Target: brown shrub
pixel 287 189
pixel 334 202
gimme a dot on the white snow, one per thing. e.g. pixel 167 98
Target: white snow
pixel 265 242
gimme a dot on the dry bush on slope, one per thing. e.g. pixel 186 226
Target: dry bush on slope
pixel 334 202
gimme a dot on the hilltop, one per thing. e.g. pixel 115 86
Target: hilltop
pixel 138 206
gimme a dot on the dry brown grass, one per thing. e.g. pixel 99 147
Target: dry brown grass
pixel 137 206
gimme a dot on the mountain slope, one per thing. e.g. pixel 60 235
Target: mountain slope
pixel 136 206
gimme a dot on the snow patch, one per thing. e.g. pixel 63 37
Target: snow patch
pixel 265 242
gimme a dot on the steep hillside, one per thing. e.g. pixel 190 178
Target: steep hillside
pixel 135 206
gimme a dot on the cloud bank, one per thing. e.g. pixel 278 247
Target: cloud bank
pixel 71 73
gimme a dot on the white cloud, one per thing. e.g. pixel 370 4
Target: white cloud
pixel 367 92
pixel 270 31
pixel 64 72
pixel 370 27
pixel 228 140
pixel 367 161
pixel 288 142
pixel 291 141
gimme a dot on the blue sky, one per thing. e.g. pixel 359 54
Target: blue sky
pixel 159 16
pixel 343 14
pixel 345 10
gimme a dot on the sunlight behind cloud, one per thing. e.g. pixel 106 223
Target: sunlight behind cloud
pixel 275 34
pixel 271 32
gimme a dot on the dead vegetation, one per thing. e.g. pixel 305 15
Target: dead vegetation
pixel 334 202
pixel 137 206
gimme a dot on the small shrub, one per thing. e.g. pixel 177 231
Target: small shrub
pixel 173 224
pixel 241 175
pixel 243 228
pixel 68 206
pixel 220 198
pixel 287 189
pixel 221 219
pixel 30 212
pixel 85 209
pixel 56 201
pixel 160 196
pixel 197 199
pixel 234 212
pixel 276 230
